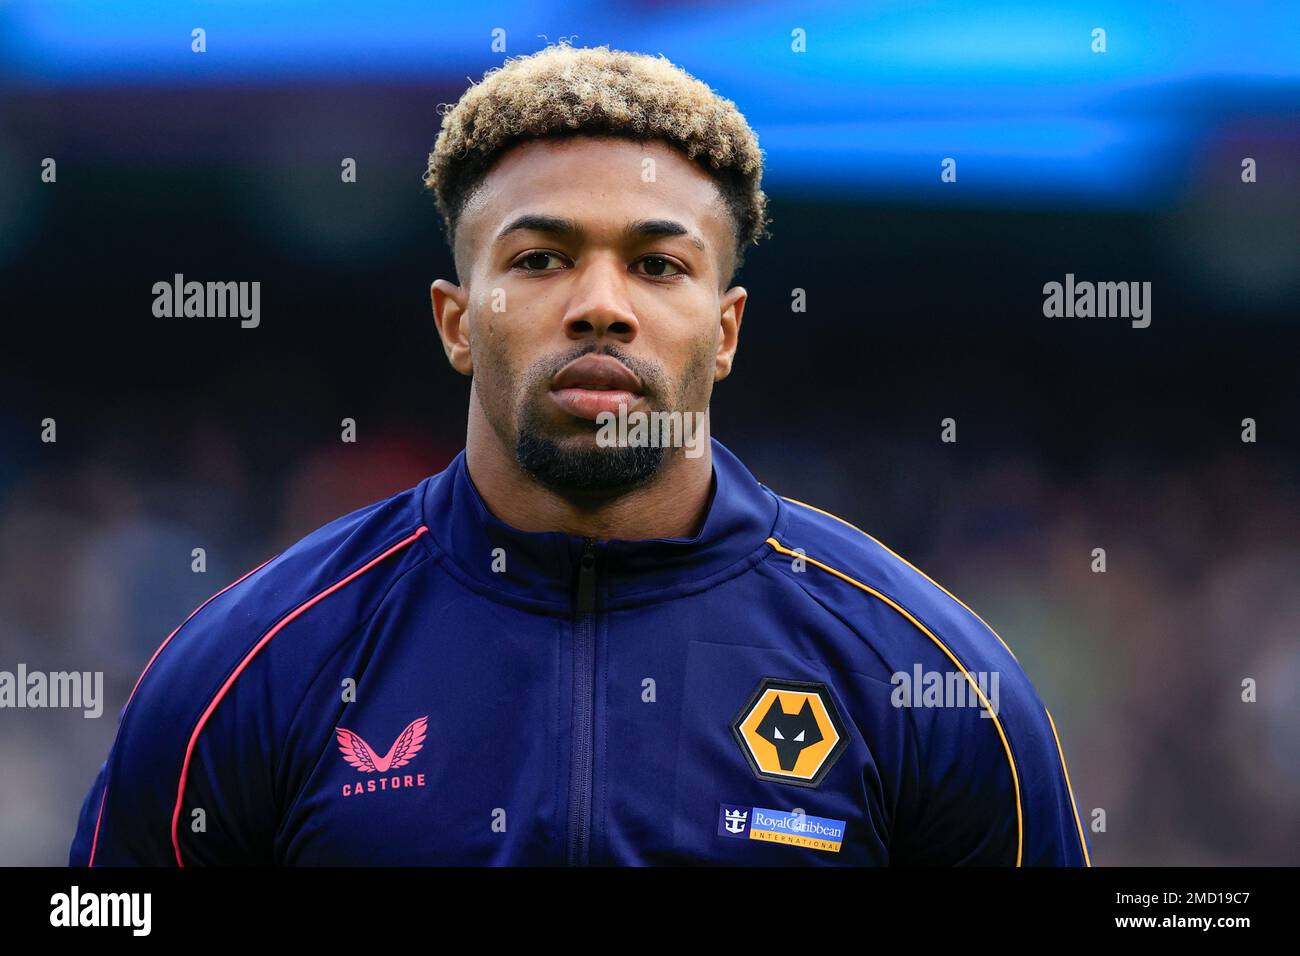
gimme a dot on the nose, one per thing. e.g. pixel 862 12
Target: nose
pixel 600 306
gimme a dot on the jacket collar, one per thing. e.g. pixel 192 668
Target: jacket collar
pixel 541 568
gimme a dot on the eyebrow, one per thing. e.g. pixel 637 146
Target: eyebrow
pixel 569 229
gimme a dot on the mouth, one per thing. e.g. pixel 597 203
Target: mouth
pixel 595 384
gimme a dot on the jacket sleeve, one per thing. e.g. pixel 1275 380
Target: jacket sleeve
pixel 187 782
pixel 87 820
pixel 990 786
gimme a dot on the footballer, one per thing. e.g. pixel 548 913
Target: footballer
pixel 581 644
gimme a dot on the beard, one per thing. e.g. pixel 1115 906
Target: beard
pixel 566 466
pixel 564 458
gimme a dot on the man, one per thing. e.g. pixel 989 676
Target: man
pixel 582 643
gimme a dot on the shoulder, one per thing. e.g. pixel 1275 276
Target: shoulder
pixel 848 567
pixel 286 617
pixel 988 753
pixel 210 719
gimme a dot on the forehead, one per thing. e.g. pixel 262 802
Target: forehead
pixel 602 183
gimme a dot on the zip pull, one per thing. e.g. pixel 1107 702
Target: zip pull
pixel 587 577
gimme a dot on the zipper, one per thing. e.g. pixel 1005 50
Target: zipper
pixel 584 688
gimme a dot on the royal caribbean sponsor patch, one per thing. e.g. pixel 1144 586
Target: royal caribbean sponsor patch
pixel 780 826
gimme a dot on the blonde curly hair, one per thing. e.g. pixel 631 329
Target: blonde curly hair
pixel 566 91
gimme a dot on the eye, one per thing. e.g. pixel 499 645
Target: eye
pixel 779 735
pixel 657 267
pixel 799 739
pixel 535 261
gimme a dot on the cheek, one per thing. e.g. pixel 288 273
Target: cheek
pixel 500 347
pixel 488 340
pixel 696 370
pixel 507 320
pixel 491 368
pixel 703 366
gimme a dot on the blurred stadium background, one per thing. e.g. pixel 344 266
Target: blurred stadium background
pixel 924 302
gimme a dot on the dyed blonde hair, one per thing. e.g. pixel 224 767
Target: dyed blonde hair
pixel 565 91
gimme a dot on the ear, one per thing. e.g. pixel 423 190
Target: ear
pixel 733 310
pixel 450 309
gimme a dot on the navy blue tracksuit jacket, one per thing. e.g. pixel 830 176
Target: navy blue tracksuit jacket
pixel 419 683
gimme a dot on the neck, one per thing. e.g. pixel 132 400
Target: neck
pixel 672 505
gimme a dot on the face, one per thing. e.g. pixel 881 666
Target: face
pixel 593 281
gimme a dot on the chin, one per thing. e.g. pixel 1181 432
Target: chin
pixel 577 464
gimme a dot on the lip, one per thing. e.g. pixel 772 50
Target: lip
pixel 590 403
pixel 594 384
pixel 597 372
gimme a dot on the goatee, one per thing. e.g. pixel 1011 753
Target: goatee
pixel 587 468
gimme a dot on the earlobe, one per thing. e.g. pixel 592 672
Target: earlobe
pixel 450 315
pixel 733 310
